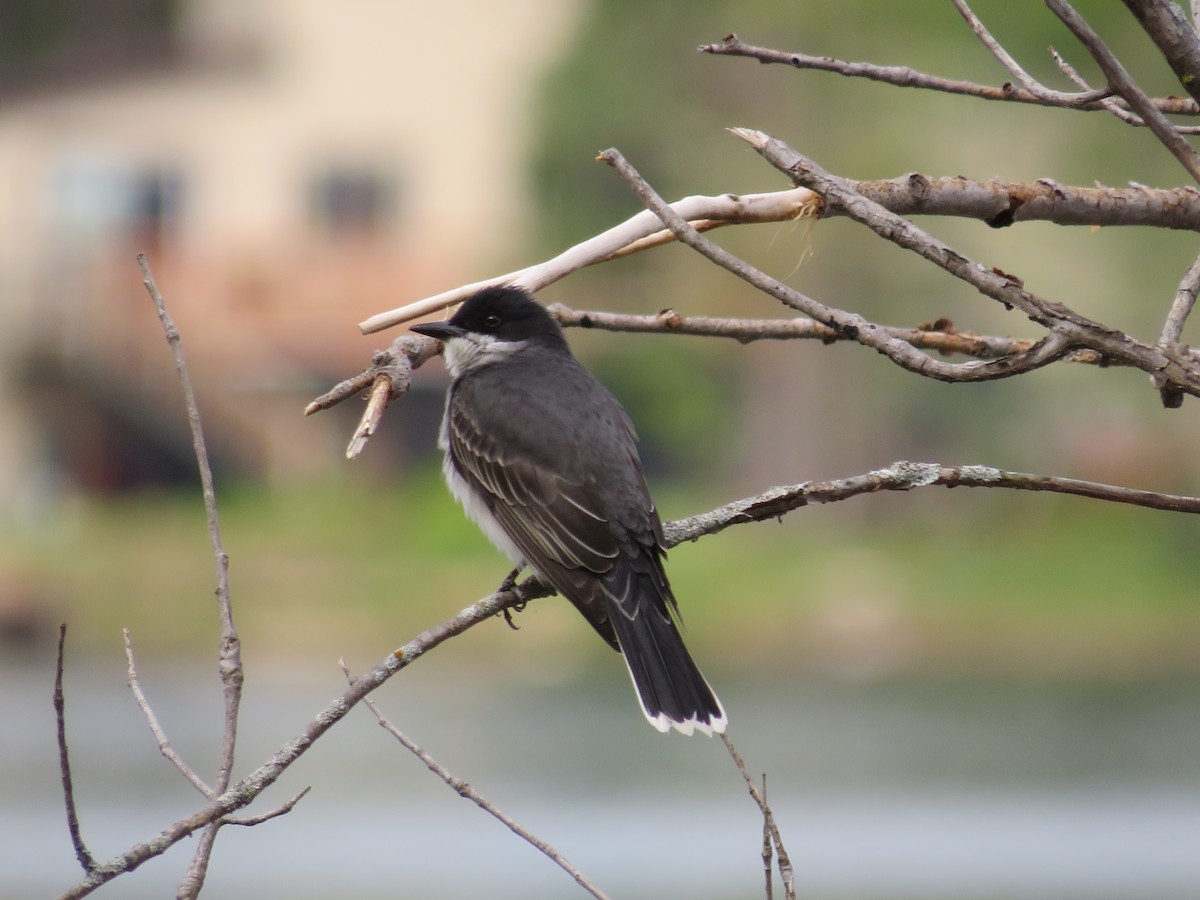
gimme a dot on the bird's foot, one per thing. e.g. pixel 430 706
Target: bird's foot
pixel 510 582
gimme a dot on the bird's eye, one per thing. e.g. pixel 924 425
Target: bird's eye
pixel 491 321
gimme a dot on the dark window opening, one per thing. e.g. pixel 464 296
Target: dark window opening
pixel 353 201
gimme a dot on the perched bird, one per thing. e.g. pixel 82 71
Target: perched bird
pixel 544 459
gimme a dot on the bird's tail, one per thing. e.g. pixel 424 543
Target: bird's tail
pixel 669 686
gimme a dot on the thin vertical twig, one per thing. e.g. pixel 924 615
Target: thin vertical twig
pixel 64 759
pixel 768 856
pixel 786 872
pixel 230 654
pixel 1181 308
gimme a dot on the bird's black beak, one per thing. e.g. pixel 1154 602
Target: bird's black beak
pixel 442 331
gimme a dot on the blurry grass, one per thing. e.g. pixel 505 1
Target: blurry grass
pixel 927 581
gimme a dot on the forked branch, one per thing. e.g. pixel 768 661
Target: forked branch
pixel 771 835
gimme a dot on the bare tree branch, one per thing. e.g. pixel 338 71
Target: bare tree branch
pixel 267 816
pixel 1003 203
pixel 86 860
pixel 997 203
pixel 1179 369
pixel 392 378
pixel 786 872
pixel 1181 308
pixel 1024 79
pixel 1175 36
pixel 344 390
pixel 229 663
pixel 902 76
pixel 906 476
pixel 467 792
pixel 164 744
pixel 1117 107
pixel 1124 85
pixel 639 232
pixel 940 336
pixel 1051 348
pixel 380 396
pixel 768 852
pixel 388 378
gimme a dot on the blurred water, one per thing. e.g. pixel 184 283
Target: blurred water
pixel 917 788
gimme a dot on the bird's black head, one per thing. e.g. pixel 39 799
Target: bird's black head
pixel 492 325
pixel 502 313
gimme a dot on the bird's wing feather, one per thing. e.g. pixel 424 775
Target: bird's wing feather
pixel 558 513
pixel 594 535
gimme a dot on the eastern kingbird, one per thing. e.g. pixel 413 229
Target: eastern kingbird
pixel 544 459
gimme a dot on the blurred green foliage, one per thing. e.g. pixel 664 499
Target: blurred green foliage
pixel 1031 584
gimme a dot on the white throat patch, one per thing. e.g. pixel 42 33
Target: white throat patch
pixel 473 350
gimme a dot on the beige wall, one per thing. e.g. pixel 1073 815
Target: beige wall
pixel 437 95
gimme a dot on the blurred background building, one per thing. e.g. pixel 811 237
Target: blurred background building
pixel 288 166
pixel 291 167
